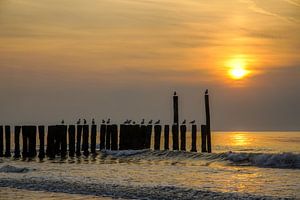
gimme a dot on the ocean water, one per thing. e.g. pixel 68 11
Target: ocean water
pixel 243 165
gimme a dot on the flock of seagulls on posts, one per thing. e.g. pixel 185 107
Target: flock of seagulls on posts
pixel 126 122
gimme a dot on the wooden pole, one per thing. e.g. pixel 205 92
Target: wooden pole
pixel 72 140
pixel 107 137
pixel 102 136
pixel 32 141
pixel 148 136
pixel 93 138
pixel 175 109
pixel 7 142
pixel 1 141
pixel 25 139
pixel 183 137
pixel 194 138
pixel 57 140
pixel 50 142
pixel 114 137
pixel 42 142
pixel 122 137
pixel 78 140
pixel 63 132
pixel 203 139
pixel 157 135
pixel 175 137
pixel 208 131
pixel 143 132
pixel 166 137
pixel 85 140
pixel 17 142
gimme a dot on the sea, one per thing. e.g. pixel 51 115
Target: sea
pixel 243 165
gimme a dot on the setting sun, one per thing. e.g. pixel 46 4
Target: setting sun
pixel 237 69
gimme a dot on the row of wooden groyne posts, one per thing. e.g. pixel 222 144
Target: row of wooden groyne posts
pixel 75 140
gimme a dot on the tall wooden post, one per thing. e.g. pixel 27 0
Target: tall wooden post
pixel 183 137
pixel 148 136
pixel 102 136
pixel 175 109
pixel 122 137
pixel 78 140
pixel 208 131
pixel 7 142
pixel 166 137
pixel 1 141
pixel 50 142
pixel 203 139
pixel 93 138
pixel 108 137
pixel 85 140
pixel 143 133
pixel 157 135
pixel 175 136
pixel 17 142
pixel 71 140
pixel 114 137
pixel 42 142
pixel 32 141
pixel 194 138
pixel 63 132
pixel 25 142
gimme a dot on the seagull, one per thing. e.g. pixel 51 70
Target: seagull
pixel 93 121
pixel 108 121
pixel 175 93
pixel 157 122
pixel 133 122
pixel 184 122
pixel 206 91
pixel 103 121
pixel 192 122
pixel 78 122
pixel 143 121
pixel 63 122
pixel 150 122
pixel 126 121
pixel 84 121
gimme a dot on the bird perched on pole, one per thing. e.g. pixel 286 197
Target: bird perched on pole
pixel 62 121
pixel 158 122
pixel 143 121
pixel 103 121
pixel 78 121
pixel 108 121
pixel 175 93
pixel 192 122
pixel 84 121
pixel 93 121
pixel 206 91
pixel 150 122
pixel 184 122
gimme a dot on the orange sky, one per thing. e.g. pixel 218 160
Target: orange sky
pixel 113 45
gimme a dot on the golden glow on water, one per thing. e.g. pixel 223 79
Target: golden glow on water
pixel 240 139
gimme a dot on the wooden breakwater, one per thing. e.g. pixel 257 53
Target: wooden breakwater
pixel 76 140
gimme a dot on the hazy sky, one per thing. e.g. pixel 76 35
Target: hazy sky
pixel 65 59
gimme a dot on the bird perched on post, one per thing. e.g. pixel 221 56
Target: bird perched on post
pixel 192 122
pixel 184 122
pixel 103 121
pixel 108 121
pixel 175 93
pixel 206 91
pixel 63 122
pixel 79 121
pixel 150 122
pixel 84 121
pixel 93 121
pixel 158 122
pixel 143 121
pixel 133 122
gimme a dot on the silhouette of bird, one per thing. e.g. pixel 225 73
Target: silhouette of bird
pixel 150 122
pixel 108 121
pixel 93 121
pixel 143 121
pixel 206 91
pixel 157 122
pixel 175 93
pixel 133 122
pixel 126 121
pixel 184 122
pixel 192 122
pixel 63 122
pixel 84 121
pixel 103 121
pixel 79 121
pixel 129 121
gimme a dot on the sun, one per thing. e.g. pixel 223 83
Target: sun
pixel 237 68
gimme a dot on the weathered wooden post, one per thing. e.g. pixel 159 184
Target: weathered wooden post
pixel 183 137
pixel 1 141
pixel 194 138
pixel 42 142
pixel 203 139
pixel 63 132
pixel 78 140
pixel 32 141
pixel 107 137
pixel 114 137
pixel 85 140
pixel 25 142
pixel 50 142
pixel 143 133
pixel 17 142
pixel 93 138
pixel 175 109
pixel 208 131
pixel 157 135
pixel 71 140
pixel 7 142
pixel 122 137
pixel 102 136
pixel 175 136
pixel 148 136
pixel 57 140
pixel 166 137
pixel 135 137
